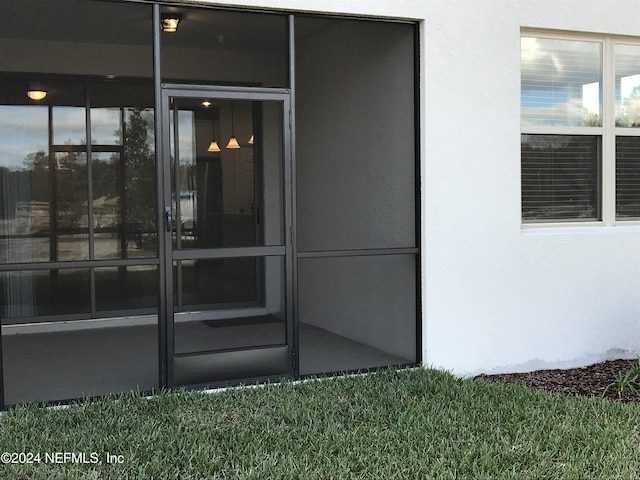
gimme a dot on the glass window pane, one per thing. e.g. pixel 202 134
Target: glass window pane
pixel 43 199
pixel 140 180
pixel 356 312
pixel 69 126
pixel 627 85
pixel 223 47
pixel 109 239
pixel 561 82
pixel 628 177
pixel 560 177
pixel 226 283
pixel 227 197
pixel 43 292
pixel 124 194
pixel 106 126
pixel 127 288
pixel 24 184
pixel 44 209
pixel 69 207
pixel 355 146
pixel 229 333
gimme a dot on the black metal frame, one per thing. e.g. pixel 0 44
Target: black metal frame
pixel 294 339
pixel 418 186
pixel 91 263
pixel 417 250
pixel 165 258
pixel 182 368
pixel 2 406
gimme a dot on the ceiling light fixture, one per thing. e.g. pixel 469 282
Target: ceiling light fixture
pixel 36 94
pixel 233 141
pixel 170 22
pixel 206 103
pixel 213 146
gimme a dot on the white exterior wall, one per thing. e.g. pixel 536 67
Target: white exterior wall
pixel 497 297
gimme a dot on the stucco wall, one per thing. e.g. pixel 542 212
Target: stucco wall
pixel 497 297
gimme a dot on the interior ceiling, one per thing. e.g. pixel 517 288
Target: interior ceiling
pixel 78 21
pixel 95 21
pixel 208 28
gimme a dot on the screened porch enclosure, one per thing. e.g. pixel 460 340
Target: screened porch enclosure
pixel 201 207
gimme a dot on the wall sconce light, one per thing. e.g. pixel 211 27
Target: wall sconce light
pixel 36 94
pixel 250 142
pixel 170 22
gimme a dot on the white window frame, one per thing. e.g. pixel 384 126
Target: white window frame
pixel 607 132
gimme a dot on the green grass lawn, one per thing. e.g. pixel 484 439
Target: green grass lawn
pixel 412 424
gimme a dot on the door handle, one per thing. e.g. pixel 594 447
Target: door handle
pixel 167 219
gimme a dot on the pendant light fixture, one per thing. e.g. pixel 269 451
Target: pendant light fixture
pixel 213 146
pixel 233 141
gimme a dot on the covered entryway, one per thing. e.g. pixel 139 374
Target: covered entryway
pixel 231 200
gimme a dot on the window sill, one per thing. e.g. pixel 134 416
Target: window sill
pixel 573 228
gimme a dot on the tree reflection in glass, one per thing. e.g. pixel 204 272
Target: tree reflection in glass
pixel 139 168
pixel 124 191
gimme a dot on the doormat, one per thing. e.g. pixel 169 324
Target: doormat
pixel 234 322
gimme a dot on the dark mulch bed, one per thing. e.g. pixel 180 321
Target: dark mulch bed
pixel 591 381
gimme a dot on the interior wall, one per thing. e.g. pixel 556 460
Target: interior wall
pixel 87 59
pixel 354 135
pixel 355 164
pixel 75 58
pixel 237 164
pixel 132 60
pixel 369 299
pixel 271 136
pixel 223 67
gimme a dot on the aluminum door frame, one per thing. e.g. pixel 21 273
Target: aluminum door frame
pixel 226 360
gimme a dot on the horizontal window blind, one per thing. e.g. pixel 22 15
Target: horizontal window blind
pixel 561 82
pixel 627 85
pixel 627 177
pixel 560 177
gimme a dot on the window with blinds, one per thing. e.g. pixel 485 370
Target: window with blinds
pixel 627 131
pixel 627 81
pixel 561 82
pixel 628 177
pixel 580 126
pixel 560 177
